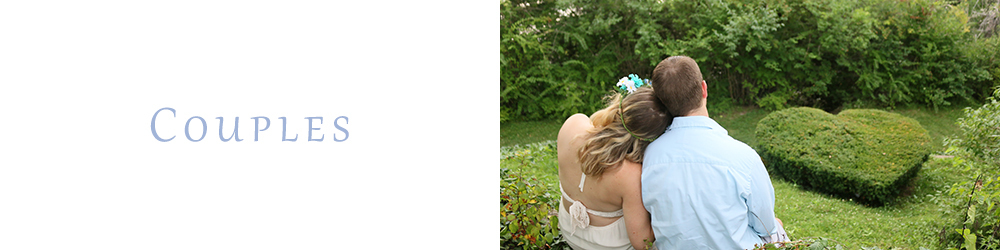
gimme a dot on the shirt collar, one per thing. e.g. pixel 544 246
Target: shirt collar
pixel 696 121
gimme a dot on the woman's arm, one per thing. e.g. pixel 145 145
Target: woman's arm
pixel 636 217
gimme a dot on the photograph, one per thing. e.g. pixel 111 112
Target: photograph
pixel 733 124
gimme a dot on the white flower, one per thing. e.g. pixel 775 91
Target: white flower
pixel 628 84
pixel 578 215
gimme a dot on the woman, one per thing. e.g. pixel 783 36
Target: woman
pixel 599 172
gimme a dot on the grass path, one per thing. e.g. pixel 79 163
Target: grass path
pixel 913 221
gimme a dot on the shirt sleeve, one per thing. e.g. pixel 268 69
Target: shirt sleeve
pixel 760 200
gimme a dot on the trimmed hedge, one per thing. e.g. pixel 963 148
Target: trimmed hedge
pixel 861 154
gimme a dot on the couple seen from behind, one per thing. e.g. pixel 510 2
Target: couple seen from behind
pixel 652 167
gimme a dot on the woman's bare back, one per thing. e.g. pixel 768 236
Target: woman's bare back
pixel 599 193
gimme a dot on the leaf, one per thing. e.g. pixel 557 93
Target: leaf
pixel 970 240
pixel 818 245
pixel 972 214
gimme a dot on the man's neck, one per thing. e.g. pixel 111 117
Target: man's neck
pixel 702 111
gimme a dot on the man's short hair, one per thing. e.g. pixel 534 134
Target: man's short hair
pixel 677 83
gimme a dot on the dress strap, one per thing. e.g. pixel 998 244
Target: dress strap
pixel 583 177
pixel 618 213
pixel 566 196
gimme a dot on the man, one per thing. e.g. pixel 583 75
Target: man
pixel 702 188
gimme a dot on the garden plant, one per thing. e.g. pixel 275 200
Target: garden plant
pixel 862 154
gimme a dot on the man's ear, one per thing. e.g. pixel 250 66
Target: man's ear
pixel 704 89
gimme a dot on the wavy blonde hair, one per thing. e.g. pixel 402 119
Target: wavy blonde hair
pixel 609 143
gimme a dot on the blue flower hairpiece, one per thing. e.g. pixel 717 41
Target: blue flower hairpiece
pixel 631 83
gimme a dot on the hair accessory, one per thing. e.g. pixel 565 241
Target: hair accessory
pixel 630 84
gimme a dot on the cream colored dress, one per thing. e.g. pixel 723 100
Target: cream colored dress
pixel 576 229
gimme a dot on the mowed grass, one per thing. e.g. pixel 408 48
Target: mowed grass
pixel 517 133
pixel 939 123
pixel 913 221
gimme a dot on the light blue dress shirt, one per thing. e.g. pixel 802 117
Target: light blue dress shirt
pixel 703 188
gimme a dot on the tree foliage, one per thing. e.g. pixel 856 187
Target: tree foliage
pixel 560 57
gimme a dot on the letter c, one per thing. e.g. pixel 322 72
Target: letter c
pixel 152 125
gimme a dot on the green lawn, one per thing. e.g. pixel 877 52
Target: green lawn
pixel 913 221
pixel 516 133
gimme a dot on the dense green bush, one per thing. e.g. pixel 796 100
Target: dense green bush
pixel 525 218
pixel 866 155
pixel 560 57
pixel 981 130
pixel 976 221
pixel 975 151
pixel 556 64
pixel 826 53
pixel 529 197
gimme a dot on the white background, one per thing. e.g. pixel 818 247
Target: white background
pixel 80 81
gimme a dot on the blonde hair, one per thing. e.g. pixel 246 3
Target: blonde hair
pixel 609 142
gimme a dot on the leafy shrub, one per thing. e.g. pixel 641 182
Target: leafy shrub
pixel 975 151
pixel 529 197
pixel 560 57
pixel 977 225
pixel 863 154
pixel 526 221
pixel 825 53
pixel 981 130
pixel 538 160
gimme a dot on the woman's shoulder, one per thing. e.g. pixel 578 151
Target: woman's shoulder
pixel 577 121
pixel 573 126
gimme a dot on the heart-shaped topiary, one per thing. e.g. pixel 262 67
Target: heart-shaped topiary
pixel 864 154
